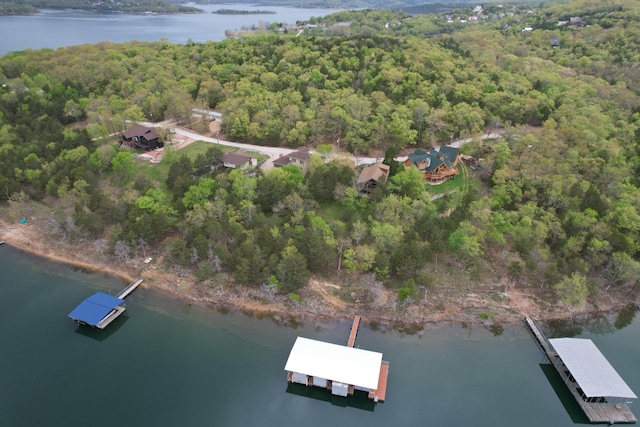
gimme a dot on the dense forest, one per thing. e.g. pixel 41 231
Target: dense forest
pixel 555 205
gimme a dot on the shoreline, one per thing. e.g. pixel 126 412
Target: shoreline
pixel 318 302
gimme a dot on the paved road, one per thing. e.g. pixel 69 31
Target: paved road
pixel 275 152
pixel 272 152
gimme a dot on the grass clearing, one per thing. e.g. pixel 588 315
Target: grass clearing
pixel 200 147
pixel 158 172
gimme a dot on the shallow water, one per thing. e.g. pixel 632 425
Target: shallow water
pixel 165 362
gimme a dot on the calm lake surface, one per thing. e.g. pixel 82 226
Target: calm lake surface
pixel 56 28
pixel 165 363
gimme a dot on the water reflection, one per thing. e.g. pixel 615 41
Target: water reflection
pixel 358 400
pixel 496 329
pixel 625 317
pixel 599 324
pixel 102 334
pixel 564 395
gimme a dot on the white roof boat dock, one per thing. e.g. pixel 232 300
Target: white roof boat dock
pixel 341 369
pixel 602 394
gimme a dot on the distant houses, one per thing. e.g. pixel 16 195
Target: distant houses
pixel 238 161
pixel 371 176
pixel 437 165
pixel 298 158
pixel 141 138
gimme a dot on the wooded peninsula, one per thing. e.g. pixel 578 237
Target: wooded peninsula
pixel 144 6
pixel 543 205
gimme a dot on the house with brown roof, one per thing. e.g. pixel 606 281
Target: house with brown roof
pixel 141 138
pixel 371 176
pixel 437 165
pixel 238 161
pixel 298 158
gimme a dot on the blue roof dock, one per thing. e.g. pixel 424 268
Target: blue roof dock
pixel 101 309
pixel 98 310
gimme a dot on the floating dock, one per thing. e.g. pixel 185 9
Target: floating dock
pixel 340 369
pixel 101 309
pixel 597 388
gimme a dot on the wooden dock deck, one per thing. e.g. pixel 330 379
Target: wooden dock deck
pixel 354 331
pixel 379 394
pixel 132 287
pixel 611 413
pixel 117 311
pixel 542 340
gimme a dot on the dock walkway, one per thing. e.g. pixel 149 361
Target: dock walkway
pixel 379 394
pixel 132 287
pixel 354 331
pixel 603 412
pixel 542 340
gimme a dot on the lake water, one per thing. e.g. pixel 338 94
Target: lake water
pixel 166 363
pixel 56 28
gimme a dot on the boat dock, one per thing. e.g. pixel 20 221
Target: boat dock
pixel 340 369
pixel 100 309
pixel 597 388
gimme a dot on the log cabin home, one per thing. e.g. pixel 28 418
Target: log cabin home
pixel 437 165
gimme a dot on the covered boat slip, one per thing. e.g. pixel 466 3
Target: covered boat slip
pixel 595 385
pixel 339 368
pixel 601 392
pixel 593 373
pixel 101 309
pixel 98 310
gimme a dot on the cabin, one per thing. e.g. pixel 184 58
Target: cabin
pixel 238 161
pixel 298 158
pixel 141 138
pixel 437 165
pixel 371 176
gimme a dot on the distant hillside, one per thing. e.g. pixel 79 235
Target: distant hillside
pixel 142 6
pixel 411 6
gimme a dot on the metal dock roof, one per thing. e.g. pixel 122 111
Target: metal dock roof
pixel 335 362
pixel 592 371
pixel 92 310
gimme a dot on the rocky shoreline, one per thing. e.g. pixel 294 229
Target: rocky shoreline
pixel 321 299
